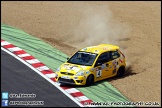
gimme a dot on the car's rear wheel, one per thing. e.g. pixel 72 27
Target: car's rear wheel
pixel 121 72
pixel 90 80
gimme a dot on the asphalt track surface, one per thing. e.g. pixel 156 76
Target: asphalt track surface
pixel 17 78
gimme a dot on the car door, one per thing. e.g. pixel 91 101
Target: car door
pixel 114 61
pixel 102 66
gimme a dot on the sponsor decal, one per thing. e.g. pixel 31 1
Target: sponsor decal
pixel 98 73
pixel 87 72
pixel 114 70
pixel 115 67
pixel 103 66
pixel 92 69
pixel 65 77
pixel 110 67
pixel 97 69
pixel 96 50
pixel 114 62
pixel 76 69
pixel 66 65
pixel 105 48
pixel 75 78
pixel 83 67
pixel 70 67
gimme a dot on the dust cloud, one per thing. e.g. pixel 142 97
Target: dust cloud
pixel 97 26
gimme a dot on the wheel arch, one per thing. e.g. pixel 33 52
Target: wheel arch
pixel 122 68
pixel 93 76
pixel 121 71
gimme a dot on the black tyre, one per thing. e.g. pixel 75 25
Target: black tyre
pixel 90 80
pixel 120 72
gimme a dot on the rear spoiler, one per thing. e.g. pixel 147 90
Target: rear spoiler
pixel 121 53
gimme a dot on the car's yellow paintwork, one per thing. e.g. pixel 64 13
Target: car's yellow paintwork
pixel 100 48
pixel 107 71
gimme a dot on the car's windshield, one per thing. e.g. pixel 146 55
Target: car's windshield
pixel 83 58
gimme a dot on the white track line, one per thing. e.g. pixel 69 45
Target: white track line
pixel 72 90
pixel 52 75
pixel 14 49
pixel 5 43
pixel 81 98
pixel 53 83
pixel 33 61
pixel 42 68
pixel 24 55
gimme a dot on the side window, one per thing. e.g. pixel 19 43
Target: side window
pixel 103 58
pixel 114 55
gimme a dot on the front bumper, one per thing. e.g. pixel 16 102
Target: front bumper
pixel 74 80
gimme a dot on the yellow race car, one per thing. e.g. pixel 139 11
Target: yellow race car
pixel 92 64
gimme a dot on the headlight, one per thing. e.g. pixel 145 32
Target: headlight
pixel 80 73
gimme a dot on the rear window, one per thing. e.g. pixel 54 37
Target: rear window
pixel 114 55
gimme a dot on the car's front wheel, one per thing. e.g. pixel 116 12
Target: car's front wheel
pixel 90 80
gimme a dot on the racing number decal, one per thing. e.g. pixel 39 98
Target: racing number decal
pixel 99 73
